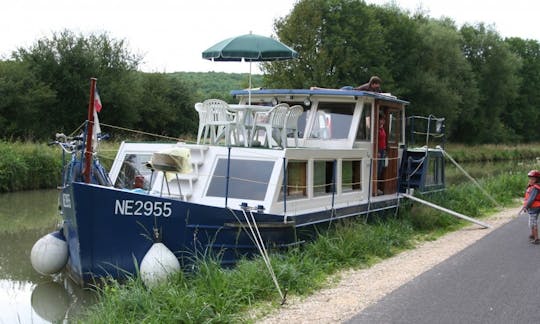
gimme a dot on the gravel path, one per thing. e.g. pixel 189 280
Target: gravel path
pixel 358 289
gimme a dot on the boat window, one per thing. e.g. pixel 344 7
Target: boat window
pixel 394 126
pixel 323 175
pixel 248 179
pixel 132 166
pixel 333 120
pixel 351 175
pixel 296 180
pixel 434 174
pixel 364 128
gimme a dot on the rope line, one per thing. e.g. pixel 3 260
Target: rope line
pixel 472 179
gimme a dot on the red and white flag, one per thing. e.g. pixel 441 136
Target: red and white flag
pixel 97 128
pixel 97 101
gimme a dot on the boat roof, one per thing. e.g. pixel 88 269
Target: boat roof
pixel 318 92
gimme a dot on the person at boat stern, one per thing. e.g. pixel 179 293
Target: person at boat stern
pixel 531 204
pixel 381 153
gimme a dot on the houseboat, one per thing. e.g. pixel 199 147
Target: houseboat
pixel 263 172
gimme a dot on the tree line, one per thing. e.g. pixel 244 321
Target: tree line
pixel 486 86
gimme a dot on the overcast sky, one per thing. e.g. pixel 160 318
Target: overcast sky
pixel 171 34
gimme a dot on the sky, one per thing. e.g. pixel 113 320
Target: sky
pixel 172 34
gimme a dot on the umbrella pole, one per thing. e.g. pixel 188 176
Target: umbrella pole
pixel 249 89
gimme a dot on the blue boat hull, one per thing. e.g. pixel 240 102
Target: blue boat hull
pixel 110 230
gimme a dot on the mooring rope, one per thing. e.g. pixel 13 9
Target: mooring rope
pixel 257 239
pixel 143 133
pixel 471 178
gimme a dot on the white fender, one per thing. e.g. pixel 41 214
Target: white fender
pixel 158 263
pixel 49 254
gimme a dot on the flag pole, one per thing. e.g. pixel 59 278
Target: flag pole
pixel 89 130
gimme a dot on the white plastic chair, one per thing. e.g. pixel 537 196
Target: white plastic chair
pixel 203 118
pixel 220 120
pixel 270 121
pixel 291 124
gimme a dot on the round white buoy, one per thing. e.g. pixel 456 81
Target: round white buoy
pixel 158 263
pixel 50 253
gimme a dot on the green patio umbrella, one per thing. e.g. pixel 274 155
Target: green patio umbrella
pixel 249 47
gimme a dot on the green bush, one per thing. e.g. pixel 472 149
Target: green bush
pixel 28 166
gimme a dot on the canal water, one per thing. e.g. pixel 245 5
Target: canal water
pixel 25 295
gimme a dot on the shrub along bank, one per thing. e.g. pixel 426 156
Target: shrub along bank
pixel 28 166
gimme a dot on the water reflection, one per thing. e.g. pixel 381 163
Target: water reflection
pixel 25 295
pixel 50 301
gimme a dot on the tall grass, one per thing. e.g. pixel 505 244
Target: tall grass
pixel 212 294
pixel 27 166
pixel 493 152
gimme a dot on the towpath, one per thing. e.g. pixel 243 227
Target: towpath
pixel 471 275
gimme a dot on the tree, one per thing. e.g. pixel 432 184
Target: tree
pixel 437 74
pixel 60 69
pixel 496 70
pixel 339 43
pixel 25 101
pixel 524 108
pixel 169 98
pixel 66 62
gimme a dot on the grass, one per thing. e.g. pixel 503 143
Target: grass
pixel 212 294
pixel 493 152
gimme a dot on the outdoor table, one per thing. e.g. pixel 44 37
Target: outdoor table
pixel 245 117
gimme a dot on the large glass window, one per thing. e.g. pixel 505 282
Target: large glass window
pixel 132 166
pixel 248 179
pixel 364 128
pixel 394 126
pixel 351 175
pixel 333 120
pixel 296 180
pixel 323 174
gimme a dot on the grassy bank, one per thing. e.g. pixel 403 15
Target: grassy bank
pixel 493 152
pixel 212 294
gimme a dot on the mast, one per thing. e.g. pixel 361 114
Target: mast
pixel 89 132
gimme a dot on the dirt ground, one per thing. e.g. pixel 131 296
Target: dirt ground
pixel 358 289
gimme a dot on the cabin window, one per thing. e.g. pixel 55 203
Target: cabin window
pixel 434 174
pixel 132 166
pixel 296 180
pixel 364 128
pixel 323 175
pixel 333 120
pixel 248 179
pixel 351 175
pixel 394 127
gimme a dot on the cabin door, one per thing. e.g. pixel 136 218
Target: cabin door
pixel 385 168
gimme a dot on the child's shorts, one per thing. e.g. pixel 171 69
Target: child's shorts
pixel 533 219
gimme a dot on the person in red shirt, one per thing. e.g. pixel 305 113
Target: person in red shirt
pixel 381 151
